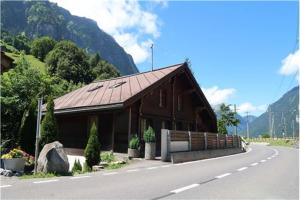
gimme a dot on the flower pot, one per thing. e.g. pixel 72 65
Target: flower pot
pixel 150 151
pixel 14 164
pixel 133 153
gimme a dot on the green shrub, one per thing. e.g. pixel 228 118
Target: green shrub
pixel 77 166
pixel 108 157
pixel 149 135
pixel 92 150
pixel 265 135
pixel 49 130
pixel 134 142
pixel 86 168
pixel 28 128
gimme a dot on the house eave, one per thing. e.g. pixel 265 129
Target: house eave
pixel 88 109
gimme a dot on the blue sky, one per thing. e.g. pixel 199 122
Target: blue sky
pixel 237 49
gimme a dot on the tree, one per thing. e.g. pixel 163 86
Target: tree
pixel 94 60
pixel 69 62
pixel 105 70
pixel 227 119
pixel 92 149
pixel 49 130
pixel 27 130
pixel 40 47
pixel 19 86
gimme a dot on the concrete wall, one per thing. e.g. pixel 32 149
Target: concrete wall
pixel 199 155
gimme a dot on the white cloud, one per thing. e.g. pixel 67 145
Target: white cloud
pixel 162 3
pixel 216 96
pixel 125 20
pixel 290 64
pixel 249 107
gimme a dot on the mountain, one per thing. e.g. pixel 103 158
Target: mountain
pixel 285 111
pixel 43 18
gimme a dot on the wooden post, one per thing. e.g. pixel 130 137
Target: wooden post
pixel 218 141
pixel 129 125
pixel 139 118
pixel 205 141
pixel 173 105
pixel 113 132
pixel 190 141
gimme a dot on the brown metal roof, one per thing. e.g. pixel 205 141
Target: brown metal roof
pixel 112 92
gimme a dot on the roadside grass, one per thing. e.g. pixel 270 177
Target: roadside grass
pixel 38 175
pixel 275 142
pixel 43 175
pixel 112 166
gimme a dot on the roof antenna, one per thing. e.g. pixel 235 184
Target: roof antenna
pixel 152 54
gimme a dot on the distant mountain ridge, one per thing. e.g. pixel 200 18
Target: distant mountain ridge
pixel 284 109
pixel 43 18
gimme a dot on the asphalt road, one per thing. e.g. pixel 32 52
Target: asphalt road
pixel 262 173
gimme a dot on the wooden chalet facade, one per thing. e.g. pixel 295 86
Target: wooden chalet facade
pixel 164 98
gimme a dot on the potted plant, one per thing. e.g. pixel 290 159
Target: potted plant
pixel 133 149
pixel 14 160
pixel 149 138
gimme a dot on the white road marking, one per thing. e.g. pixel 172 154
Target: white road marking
pixel 133 170
pixel 241 169
pixel 223 175
pixel 253 164
pixel 4 186
pixel 185 188
pixel 78 177
pixel 111 173
pixel 263 161
pixel 166 166
pixel 47 181
pixel 269 158
pixel 152 167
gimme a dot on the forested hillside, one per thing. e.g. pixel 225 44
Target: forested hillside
pixel 42 18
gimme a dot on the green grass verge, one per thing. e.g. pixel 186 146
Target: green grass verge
pixel 43 175
pixel 38 175
pixel 112 166
pixel 276 142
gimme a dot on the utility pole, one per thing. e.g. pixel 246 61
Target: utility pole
pixel 247 125
pixel 38 132
pixel 293 128
pixel 152 55
pixel 273 127
pixel 270 121
pixel 235 127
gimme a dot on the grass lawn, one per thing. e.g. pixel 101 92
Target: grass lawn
pixel 31 59
pixel 275 142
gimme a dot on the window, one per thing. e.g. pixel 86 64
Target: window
pixel 95 88
pixel 117 84
pixel 162 98
pixel 179 103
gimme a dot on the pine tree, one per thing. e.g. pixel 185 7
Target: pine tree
pixel 27 130
pixel 92 150
pixel 49 130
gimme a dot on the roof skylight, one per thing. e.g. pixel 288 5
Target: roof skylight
pixel 95 88
pixel 117 84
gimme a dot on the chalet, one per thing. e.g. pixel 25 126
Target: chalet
pixel 120 107
pixel 6 62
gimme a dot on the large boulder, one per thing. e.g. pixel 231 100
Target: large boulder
pixel 53 159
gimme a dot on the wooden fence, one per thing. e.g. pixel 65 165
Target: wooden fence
pixel 197 141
